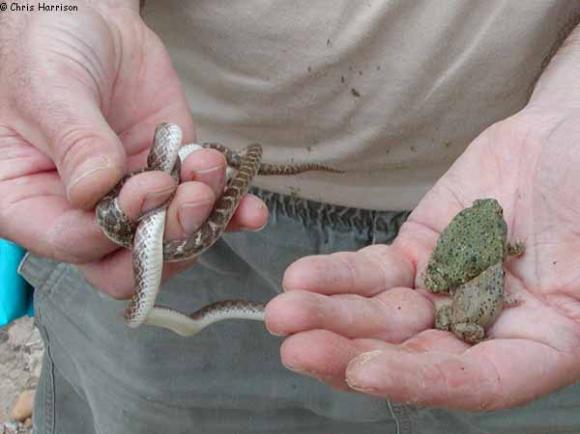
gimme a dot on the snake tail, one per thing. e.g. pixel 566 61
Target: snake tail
pixel 234 160
pixel 189 325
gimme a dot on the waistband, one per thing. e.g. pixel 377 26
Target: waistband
pixel 336 217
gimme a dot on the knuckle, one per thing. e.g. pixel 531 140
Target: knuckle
pixel 195 192
pixel 74 145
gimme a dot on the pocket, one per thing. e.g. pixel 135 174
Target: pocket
pixel 42 273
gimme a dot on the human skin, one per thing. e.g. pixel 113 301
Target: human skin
pixel 80 96
pixel 72 95
pixel 360 320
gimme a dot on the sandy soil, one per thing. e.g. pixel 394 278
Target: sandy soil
pixel 20 359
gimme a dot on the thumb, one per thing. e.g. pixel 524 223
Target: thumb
pixel 73 132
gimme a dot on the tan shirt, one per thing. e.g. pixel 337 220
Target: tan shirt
pixel 389 91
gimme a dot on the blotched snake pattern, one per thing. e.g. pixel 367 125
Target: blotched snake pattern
pixel 145 236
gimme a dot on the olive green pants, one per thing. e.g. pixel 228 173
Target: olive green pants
pixel 101 377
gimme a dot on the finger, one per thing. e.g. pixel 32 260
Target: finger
pixel 138 138
pixel 252 214
pixel 70 128
pixel 193 204
pixel 189 209
pixel 207 166
pixel 366 272
pixel 113 274
pixel 486 377
pixel 324 355
pixel 393 316
pixel 145 192
pixel 63 233
pixel 435 340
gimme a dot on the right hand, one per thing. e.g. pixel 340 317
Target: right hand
pixel 364 321
pixel 80 96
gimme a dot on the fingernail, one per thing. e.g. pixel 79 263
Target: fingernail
pixel 294 369
pixel 317 376
pixel 259 207
pixel 156 198
pixel 257 229
pixel 192 215
pixel 356 376
pixel 87 169
pixel 273 333
pixel 303 372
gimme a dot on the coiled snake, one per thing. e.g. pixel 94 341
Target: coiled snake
pixel 145 236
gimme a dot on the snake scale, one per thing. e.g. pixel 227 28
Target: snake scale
pixel 145 236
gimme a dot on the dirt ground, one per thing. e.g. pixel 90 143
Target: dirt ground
pixel 20 360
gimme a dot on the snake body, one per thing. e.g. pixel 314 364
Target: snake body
pixel 145 236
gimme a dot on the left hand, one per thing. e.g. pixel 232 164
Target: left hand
pixel 359 320
pixel 80 96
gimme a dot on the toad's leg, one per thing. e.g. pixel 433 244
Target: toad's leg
pixel 516 249
pixel 468 332
pixel 443 318
pixel 510 300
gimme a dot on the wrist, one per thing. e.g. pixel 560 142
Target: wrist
pixel 557 88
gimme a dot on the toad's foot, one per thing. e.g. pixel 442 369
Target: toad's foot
pixel 510 300
pixel 468 332
pixel 443 317
pixel 516 249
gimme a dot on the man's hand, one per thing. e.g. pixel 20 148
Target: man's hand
pixel 80 96
pixel 360 320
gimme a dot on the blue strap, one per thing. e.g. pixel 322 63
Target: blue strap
pixel 15 292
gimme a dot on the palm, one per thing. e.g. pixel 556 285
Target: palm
pixel 541 333
pixel 81 95
pixel 133 91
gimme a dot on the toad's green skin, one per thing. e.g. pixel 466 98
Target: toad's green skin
pixel 475 306
pixel 475 240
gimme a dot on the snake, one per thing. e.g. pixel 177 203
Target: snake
pixel 144 236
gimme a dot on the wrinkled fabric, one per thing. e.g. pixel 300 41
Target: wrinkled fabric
pixel 390 91
pixel 100 377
